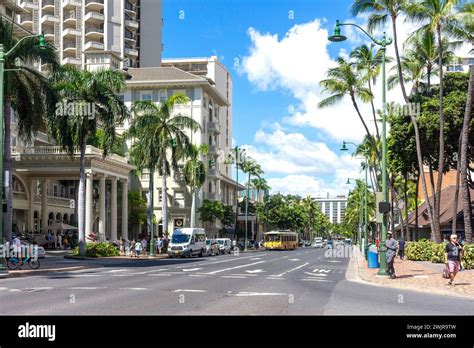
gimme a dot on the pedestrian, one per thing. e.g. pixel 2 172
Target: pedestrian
pixel 54 240
pixel 144 245
pixel 401 248
pixel 453 257
pixel 138 248
pixel 59 240
pixel 122 247
pixel 17 249
pixel 160 245
pixel 391 245
pixel 132 247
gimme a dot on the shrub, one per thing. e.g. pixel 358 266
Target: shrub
pixel 468 258
pixel 419 250
pixel 438 250
pixel 101 249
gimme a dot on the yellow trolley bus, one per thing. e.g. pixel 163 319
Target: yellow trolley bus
pixel 280 240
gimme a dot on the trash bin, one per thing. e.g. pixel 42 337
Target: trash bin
pixel 373 257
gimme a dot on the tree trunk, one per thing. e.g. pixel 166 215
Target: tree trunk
pixel 466 201
pixel 81 209
pixel 193 207
pixel 397 54
pixel 374 113
pixel 356 107
pixel 7 168
pixel 456 192
pixel 405 197
pixel 151 191
pixel 416 205
pixel 437 232
pixel 164 195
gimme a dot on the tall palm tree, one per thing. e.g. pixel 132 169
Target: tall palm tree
pixel 259 184
pixel 251 168
pixel 168 132
pixel 412 71
pixel 195 174
pixel 434 15
pixel 380 12
pixel 345 80
pixel 99 90
pixel 27 93
pixel 462 27
pixel 368 63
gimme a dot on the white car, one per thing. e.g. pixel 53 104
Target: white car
pixel 225 245
pixel 212 247
pixel 318 243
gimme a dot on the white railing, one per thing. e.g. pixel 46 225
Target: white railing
pixel 57 150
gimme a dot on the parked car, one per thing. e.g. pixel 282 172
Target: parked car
pixel 36 249
pixel 348 241
pixel 212 247
pixel 225 245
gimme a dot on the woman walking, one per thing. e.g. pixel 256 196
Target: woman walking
pixel 452 257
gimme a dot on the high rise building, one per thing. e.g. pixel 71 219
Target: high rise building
pixel 96 33
pixel 333 208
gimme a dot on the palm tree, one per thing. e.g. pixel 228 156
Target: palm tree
pixel 434 14
pixel 380 12
pixel 463 28
pixel 368 63
pixel 345 80
pixel 252 168
pixel 27 93
pixel 167 131
pixel 195 174
pixel 259 184
pixel 99 90
pixel 412 71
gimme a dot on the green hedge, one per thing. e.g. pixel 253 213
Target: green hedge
pixel 426 250
pixel 99 250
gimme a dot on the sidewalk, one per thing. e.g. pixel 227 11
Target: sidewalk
pixel 413 275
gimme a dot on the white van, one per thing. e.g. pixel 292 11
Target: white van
pixel 225 245
pixel 187 242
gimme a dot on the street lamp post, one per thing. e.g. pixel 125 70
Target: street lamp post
pixel 362 222
pixel 4 55
pixel 383 43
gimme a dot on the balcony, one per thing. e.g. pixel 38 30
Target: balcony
pixel 130 9
pixel 214 127
pixel 69 48
pixel 71 61
pixel 48 4
pixel 49 19
pixel 129 36
pixel 71 4
pixel 131 52
pixel 70 18
pixel 93 46
pixel 95 5
pixel 28 5
pixel 26 21
pixel 94 17
pixel 70 33
pixel 131 24
pixel 94 33
pixel 48 34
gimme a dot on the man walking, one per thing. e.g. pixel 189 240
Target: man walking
pixel 401 248
pixel 452 257
pixel 138 248
pixel 391 245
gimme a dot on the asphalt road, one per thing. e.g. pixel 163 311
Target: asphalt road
pixel 299 282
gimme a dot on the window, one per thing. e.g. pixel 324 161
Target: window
pixel 163 95
pixel 179 199
pixel 160 196
pixel 71 192
pixel 146 95
pixel 55 190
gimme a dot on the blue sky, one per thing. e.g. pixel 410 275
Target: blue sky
pixel 283 53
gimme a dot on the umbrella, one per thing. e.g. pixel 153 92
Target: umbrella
pixel 60 226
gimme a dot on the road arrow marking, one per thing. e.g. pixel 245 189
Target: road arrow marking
pixel 321 270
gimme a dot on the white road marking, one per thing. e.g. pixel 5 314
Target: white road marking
pixel 291 270
pixel 229 259
pixel 255 271
pixel 158 275
pixel 138 289
pixel 189 290
pixel 244 294
pixel 117 270
pixel 87 275
pixel 152 271
pixel 293 259
pixel 230 268
pixel 234 277
pixel 197 275
pixel 122 275
pixel 317 280
pixel 244 275
pixel 85 288
pixel 333 261
pixel 191 269
pixel 3 289
pixel 317 274
pixel 40 288
pixel 321 270
pixel 15 290
pixel 274 278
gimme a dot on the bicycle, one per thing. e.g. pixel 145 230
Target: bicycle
pixel 13 263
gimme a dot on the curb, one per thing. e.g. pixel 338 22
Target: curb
pixel 353 275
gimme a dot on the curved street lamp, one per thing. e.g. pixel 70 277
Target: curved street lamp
pixel 382 43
